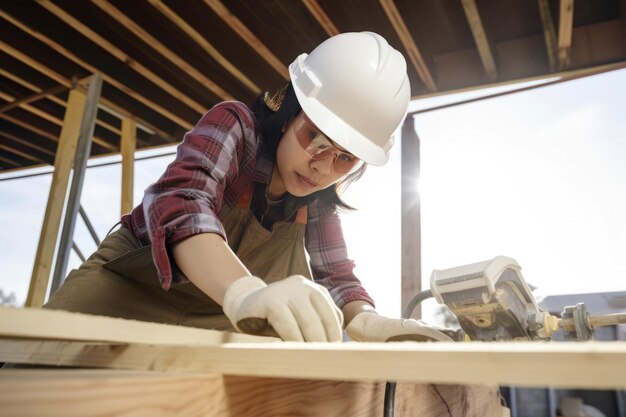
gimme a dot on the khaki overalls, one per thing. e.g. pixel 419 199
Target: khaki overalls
pixel 120 278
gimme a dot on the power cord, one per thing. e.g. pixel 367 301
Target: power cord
pixel 390 387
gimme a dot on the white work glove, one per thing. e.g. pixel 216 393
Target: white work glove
pixel 295 308
pixel 370 327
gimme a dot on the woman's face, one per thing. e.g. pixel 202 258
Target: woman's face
pixel 306 161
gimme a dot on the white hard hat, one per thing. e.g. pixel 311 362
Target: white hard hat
pixel 355 89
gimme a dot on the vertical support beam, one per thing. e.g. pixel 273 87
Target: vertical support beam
pixel 83 150
pixel 128 146
pixel 549 34
pixel 566 23
pixel 56 199
pixel 411 247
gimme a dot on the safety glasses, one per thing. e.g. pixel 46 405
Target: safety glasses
pixel 318 146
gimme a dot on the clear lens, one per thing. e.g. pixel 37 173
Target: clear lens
pixel 318 146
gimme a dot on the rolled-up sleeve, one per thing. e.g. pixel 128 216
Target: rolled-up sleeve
pixel 329 260
pixel 187 198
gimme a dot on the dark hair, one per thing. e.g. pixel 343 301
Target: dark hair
pixel 272 113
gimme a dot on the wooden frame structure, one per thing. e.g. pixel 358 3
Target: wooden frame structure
pixel 148 104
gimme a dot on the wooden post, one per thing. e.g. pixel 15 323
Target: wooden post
pixel 63 162
pixel 411 248
pixel 128 146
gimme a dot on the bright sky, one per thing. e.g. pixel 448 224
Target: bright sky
pixel 537 176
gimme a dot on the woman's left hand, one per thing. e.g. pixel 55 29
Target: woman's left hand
pixel 370 327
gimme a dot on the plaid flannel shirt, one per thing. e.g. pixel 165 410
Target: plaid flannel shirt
pixel 214 165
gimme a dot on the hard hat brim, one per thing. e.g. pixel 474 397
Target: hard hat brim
pixel 339 131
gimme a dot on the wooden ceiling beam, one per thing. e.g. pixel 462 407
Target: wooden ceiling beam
pixel 29 127
pixel 79 27
pixel 205 45
pixel 549 34
pixel 55 120
pixel 409 44
pixel 322 18
pixel 10 161
pixel 566 23
pixel 21 56
pixel 106 104
pixel 28 143
pixel 480 38
pixel 159 47
pixel 31 86
pixel 54 98
pixel 250 38
pixel 21 154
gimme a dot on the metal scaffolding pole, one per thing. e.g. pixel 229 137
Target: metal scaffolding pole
pixel 80 163
pixel 92 231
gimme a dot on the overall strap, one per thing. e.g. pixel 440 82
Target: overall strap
pixel 302 215
pixel 246 198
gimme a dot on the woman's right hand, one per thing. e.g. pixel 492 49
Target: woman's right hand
pixel 296 308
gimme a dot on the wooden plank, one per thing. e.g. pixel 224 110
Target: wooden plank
pixel 598 365
pixel 566 22
pixel 205 45
pixel 94 341
pixel 549 34
pixel 480 37
pixel 249 37
pixel 63 325
pixel 58 189
pixel 409 44
pixel 322 18
pixel 78 26
pixel 79 393
pixel 159 47
pixel 128 146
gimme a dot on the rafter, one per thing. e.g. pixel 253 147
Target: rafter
pixel 75 24
pixel 250 38
pixel 9 161
pixel 566 23
pixel 28 126
pixel 55 120
pixel 205 45
pixel 27 143
pixel 53 98
pixel 322 18
pixel 159 47
pixel 409 44
pixel 21 154
pixel 549 34
pixel 480 37
pixel 108 105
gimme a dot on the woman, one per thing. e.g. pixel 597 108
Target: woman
pixel 224 231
